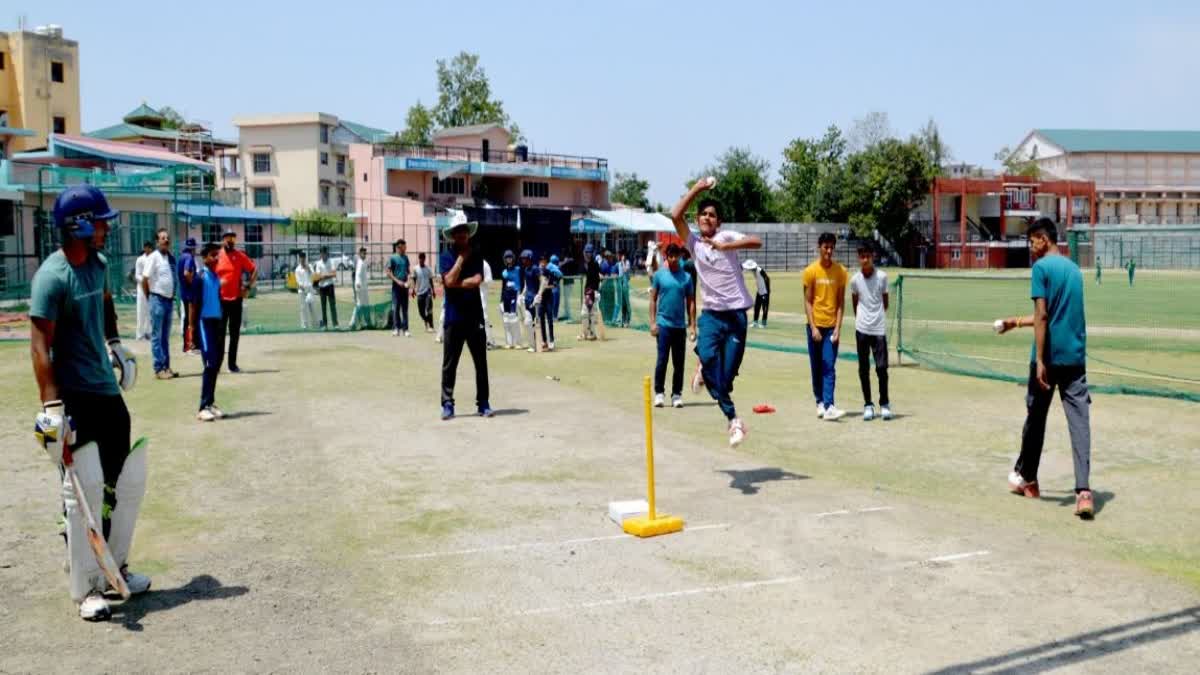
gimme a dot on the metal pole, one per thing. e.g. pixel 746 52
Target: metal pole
pixel 649 448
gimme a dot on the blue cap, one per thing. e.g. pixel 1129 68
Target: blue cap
pixel 554 260
pixel 508 254
pixel 190 243
pixel 527 254
pixel 587 249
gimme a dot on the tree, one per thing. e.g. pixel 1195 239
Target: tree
pixel 811 178
pixel 743 187
pixel 869 131
pixel 315 222
pixel 929 138
pixel 882 185
pixel 1015 165
pixel 418 126
pixel 465 96
pixel 630 190
pixel 171 118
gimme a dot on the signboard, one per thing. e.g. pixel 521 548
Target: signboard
pixel 506 169
pixel 576 174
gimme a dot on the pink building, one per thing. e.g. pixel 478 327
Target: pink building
pixel 400 190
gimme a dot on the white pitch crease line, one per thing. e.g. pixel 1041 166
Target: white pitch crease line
pixel 846 512
pixel 546 544
pixel 957 556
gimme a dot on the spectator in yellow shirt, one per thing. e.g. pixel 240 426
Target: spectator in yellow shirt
pixel 824 302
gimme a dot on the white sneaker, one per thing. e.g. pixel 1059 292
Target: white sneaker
pixel 1016 482
pixel 94 608
pixel 868 413
pixel 395 333
pixel 531 350
pixel 820 411
pixel 676 401
pixel 217 412
pixel 737 433
pixel 833 413
pixel 206 415
pixel 407 334
pixel 658 400
pixel 754 325
pixel 697 380
pixel 137 583
pixel 886 413
pixel 551 346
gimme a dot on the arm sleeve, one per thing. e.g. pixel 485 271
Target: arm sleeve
pixel 1037 282
pixel 45 296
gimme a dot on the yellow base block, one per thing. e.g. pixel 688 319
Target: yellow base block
pixel 643 526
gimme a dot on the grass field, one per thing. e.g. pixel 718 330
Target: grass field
pixel 333 524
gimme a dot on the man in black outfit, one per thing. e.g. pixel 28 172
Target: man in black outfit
pixel 462 273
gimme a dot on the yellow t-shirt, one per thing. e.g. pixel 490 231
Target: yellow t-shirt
pixel 828 285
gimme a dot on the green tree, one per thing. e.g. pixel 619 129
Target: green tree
pixel 811 178
pixel 315 222
pixel 465 96
pixel 171 118
pixel 630 190
pixel 418 126
pixel 1015 165
pixel 929 138
pixel 743 187
pixel 882 185
pixel 869 130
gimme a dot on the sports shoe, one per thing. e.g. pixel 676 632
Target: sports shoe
pixel 234 369
pixel 205 415
pixel 94 608
pixel 820 411
pixel 658 400
pixel 1084 507
pixel 531 350
pixel 407 334
pixel 886 413
pixel 485 410
pixel 754 325
pixel 697 379
pixel 676 401
pixel 1019 486
pixel 551 346
pixel 833 413
pixel 137 583
pixel 868 413
pixel 162 375
pixel 395 333
pixel 447 411
pixel 737 433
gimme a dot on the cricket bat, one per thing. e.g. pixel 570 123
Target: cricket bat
pixel 95 535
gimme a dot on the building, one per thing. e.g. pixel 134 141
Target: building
pixel 39 88
pixel 146 126
pixel 1142 177
pixel 400 190
pixel 292 162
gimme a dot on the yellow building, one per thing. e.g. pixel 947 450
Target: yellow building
pixel 39 88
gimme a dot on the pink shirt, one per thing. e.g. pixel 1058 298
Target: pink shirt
pixel 722 286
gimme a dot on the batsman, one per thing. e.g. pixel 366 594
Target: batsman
pixel 81 367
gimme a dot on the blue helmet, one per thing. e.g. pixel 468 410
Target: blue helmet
pixel 527 254
pixel 508 255
pixel 588 249
pixel 553 260
pixel 78 208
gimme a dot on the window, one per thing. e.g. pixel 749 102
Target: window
pixel 262 162
pixel 56 71
pixel 535 190
pixel 364 176
pixel 955 254
pixel 324 133
pixel 212 232
pixel 324 195
pixel 341 165
pixel 449 186
pixel 324 159
pixel 254 237
pixel 262 196
pixel 1 60
pixel 341 196
pixel 980 254
pixel 60 125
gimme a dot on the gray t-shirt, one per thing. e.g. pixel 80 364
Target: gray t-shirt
pixel 73 298
pixel 424 277
pixel 871 318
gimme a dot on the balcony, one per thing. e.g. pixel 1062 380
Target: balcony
pixel 587 166
pixel 231 174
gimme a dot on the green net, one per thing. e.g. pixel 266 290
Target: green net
pixel 1143 338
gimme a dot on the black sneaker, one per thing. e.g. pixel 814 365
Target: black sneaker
pixel 234 369
pixel 485 410
pixel 447 411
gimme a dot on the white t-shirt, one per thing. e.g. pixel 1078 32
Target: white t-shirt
pixel 760 288
pixel 722 285
pixel 161 274
pixel 871 318
pixel 360 273
pixel 325 267
pixel 139 268
pixel 303 279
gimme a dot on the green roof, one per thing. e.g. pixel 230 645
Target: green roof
pixel 126 130
pixel 142 112
pixel 1122 140
pixel 368 134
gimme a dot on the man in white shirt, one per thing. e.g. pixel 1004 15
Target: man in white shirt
pixel 362 304
pixel 306 293
pixel 158 281
pixel 483 297
pixel 143 308
pixel 762 293
pixel 869 293
pixel 325 277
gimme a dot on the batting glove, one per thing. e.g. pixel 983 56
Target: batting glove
pixel 123 363
pixel 52 428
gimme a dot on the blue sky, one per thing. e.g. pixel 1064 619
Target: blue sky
pixel 658 88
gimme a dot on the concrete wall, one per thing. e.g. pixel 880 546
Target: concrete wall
pixel 27 93
pixel 498 139
pixel 389 215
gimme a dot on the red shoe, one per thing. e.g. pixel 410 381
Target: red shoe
pixel 1019 486
pixel 1084 507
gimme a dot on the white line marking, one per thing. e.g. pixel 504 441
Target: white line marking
pixel 844 512
pixel 873 509
pixel 957 556
pixel 833 513
pixel 547 544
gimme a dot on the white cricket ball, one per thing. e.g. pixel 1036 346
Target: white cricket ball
pixel 711 180
pixel 998 325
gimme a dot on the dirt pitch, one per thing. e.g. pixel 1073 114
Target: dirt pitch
pixel 332 524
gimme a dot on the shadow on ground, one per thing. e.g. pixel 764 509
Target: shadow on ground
pixel 204 587
pixel 1085 646
pixel 748 481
